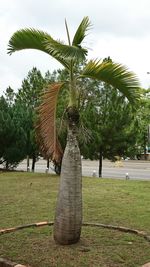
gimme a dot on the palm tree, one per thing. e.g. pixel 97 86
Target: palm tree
pixel 68 217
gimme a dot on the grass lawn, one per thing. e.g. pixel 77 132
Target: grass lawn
pixel 27 198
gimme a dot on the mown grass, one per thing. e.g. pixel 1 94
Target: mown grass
pixel 28 198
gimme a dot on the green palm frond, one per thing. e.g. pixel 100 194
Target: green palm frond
pixel 46 124
pixel 81 31
pixel 116 75
pixel 34 39
pixel 67 51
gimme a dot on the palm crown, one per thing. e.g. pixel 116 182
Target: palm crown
pixel 112 73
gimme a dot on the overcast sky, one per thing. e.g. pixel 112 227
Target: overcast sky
pixel 121 30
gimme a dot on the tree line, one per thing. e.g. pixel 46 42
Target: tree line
pixel 109 126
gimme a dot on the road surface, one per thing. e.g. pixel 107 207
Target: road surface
pixel 136 169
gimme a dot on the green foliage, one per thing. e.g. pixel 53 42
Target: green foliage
pixel 28 99
pixel 110 120
pixel 17 119
pixel 10 96
pixel 81 31
pixel 114 74
pixel 143 122
pixel 12 149
pixel 71 55
pixel 31 89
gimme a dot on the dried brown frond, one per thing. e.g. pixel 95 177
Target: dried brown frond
pixel 46 124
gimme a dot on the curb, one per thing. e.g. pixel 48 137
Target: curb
pixel 7 263
pixel 107 226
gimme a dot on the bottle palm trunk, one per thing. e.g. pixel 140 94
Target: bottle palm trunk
pixel 68 218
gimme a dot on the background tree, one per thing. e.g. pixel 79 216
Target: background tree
pixel 12 135
pixel 110 120
pixel 28 99
pixel 143 122
pixel 10 96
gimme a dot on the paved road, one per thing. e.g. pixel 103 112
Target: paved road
pixel 135 169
